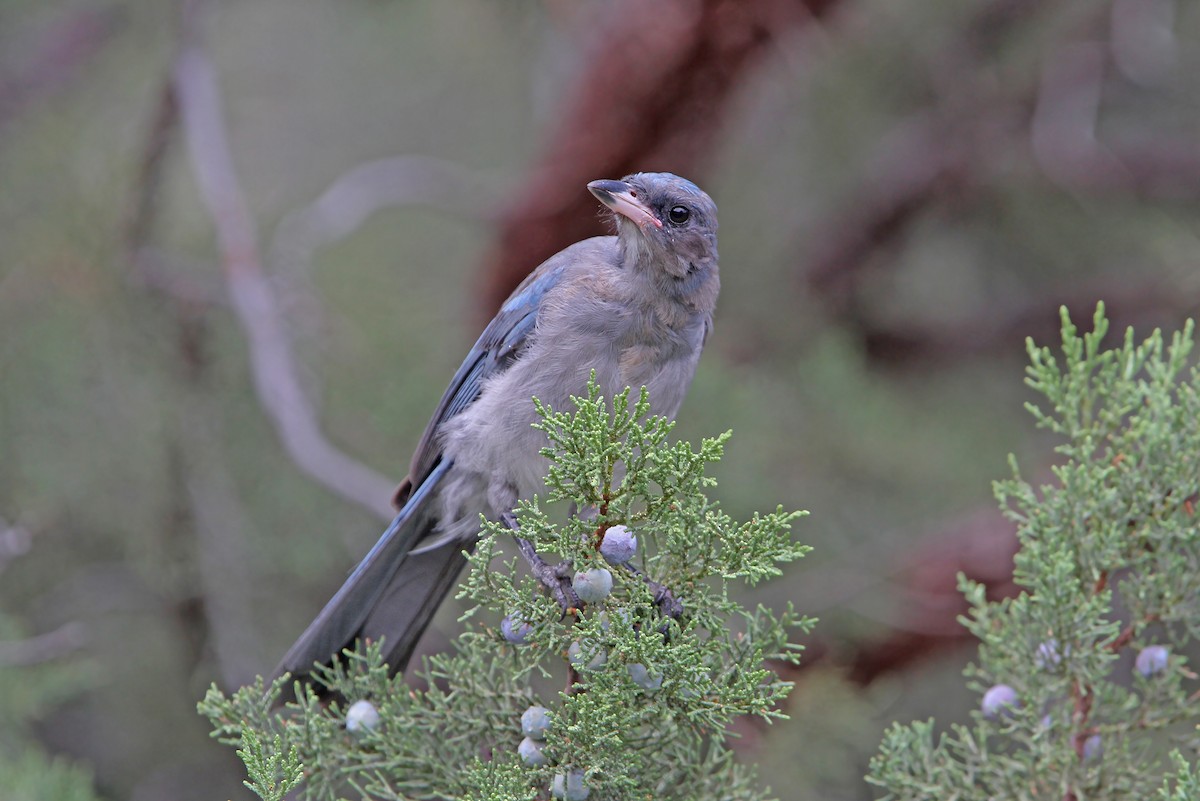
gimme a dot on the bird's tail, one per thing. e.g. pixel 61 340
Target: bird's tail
pixel 407 605
pixel 391 594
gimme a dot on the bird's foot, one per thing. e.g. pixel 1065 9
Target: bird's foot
pixel 557 578
pixel 664 599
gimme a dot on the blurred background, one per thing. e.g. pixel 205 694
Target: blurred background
pixel 245 243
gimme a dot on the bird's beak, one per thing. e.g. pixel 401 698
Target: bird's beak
pixel 621 198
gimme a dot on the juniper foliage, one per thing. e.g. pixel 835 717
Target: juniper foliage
pixel 641 712
pixel 1109 564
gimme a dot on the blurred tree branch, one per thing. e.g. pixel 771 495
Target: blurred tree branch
pixel 979 546
pixel 141 215
pixel 220 522
pixel 52 645
pixel 959 148
pixel 1066 147
pixel 655 85
pixel 933 156
pixel 366 189
pixel 272 363
pixel 58 58
pixel 1002 326
pixel 15 541
pixel 920 593
pixel 924 621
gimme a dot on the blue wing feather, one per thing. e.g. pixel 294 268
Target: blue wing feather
pixel 365 592
pixel 499 344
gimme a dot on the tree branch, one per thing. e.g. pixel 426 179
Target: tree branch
pixel 652 94
pixel 272 363
pixel 47 647
pixel 949 151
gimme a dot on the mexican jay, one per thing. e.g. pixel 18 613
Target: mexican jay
pixel 636 308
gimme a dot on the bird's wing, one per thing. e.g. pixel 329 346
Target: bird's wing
pixel 341 620
pixel 497 347
pixel 372 587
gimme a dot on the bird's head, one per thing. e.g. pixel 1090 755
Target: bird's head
pixel 665 224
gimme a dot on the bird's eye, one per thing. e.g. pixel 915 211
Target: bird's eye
pixel 679 214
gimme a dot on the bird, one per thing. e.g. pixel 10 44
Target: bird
pixel 635 307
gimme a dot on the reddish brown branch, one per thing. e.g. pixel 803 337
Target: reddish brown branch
pixel 949 153
pixel 981 547
pixel 1122 639
pixel 1126 635
pixel 929 159
pixel 658 79
pixel 140 217
pixel 1082 699
pixel 1003 328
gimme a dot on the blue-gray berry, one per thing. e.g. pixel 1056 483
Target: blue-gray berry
pixel 515 630
pixel 1093 747
pixel 643 678
pixel 592 585
pixel 570 786
pixel 530 751
pixel 535 722
pixel 619 545
pixel 591 657
pixel 622 615
pixel 1047 656
pixel 1151 660
pixel 361 717
pixel 999 700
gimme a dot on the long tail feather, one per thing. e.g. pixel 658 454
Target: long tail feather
pixel 416 591
pixel 374 587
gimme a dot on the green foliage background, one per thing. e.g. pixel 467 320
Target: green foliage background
pixel 110 444
pixel 1109 564
pixel 451 728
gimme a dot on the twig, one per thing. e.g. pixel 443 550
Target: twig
pixel 1124 637
pixel 555 579
pixel 664 599
pixel 272 363
pixel 141 215
pixel 46 647
pixel 370 187
pixel 1082 699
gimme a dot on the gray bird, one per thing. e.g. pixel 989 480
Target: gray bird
pixel 636 308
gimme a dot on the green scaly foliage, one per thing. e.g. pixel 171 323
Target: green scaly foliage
pixel 452 730
pixel 1109 564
